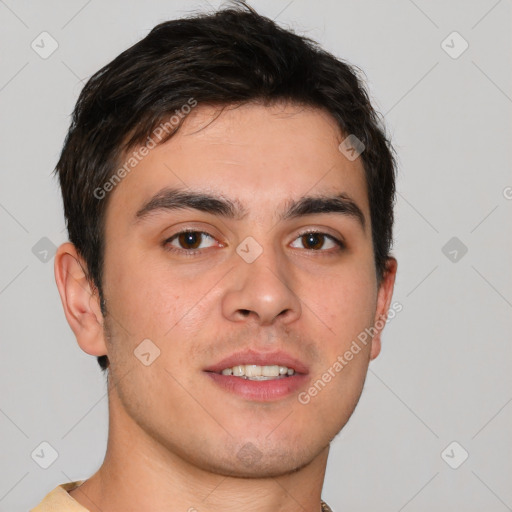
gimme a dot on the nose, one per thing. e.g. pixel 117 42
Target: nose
pixel 261 291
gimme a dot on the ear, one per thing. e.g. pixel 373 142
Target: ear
pixel 80 300
pixel 384 296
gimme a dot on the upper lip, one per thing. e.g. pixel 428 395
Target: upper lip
pixel 260 358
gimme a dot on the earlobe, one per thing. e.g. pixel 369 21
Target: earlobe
pixel 79 300
pixel 385 293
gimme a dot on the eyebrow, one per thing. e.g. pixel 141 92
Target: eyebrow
pixel 169 199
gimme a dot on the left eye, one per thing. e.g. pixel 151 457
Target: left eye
pixel 316 241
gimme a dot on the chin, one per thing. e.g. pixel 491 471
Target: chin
pixel 253 460
pixel 260 469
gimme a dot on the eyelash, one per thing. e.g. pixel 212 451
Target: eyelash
pixel 198 252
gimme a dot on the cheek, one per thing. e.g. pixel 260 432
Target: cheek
pixel 154 300
pixel 346 301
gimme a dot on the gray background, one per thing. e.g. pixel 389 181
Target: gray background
pixel 444 371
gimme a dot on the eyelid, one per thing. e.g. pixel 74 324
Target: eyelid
pixel 190 227
pixel 320 231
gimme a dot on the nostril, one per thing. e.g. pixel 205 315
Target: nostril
pixel 244 312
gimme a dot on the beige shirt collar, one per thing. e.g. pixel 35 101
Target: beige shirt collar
pixel 59 500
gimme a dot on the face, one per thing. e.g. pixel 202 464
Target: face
pixel 253 274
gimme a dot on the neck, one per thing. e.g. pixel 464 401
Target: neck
pixel 139 473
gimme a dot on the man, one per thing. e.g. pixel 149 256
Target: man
pixel 229 201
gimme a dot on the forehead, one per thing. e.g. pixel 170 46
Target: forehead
pixel 260 156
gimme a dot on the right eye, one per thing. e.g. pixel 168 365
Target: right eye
pixel 189 242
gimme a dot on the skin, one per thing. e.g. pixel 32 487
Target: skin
pixel 174 436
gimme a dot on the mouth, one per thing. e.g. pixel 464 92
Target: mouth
pixel 258 376
pixel 258 372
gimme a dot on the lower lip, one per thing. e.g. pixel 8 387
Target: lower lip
pixel 260 390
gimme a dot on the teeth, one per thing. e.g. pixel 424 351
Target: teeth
pixel 270 371
pixel 253 370
pixel 257 372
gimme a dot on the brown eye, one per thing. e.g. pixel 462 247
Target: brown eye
pixel 313 240
pixel 189 241
pixel 317 241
